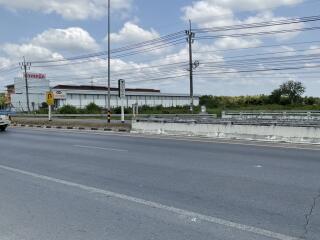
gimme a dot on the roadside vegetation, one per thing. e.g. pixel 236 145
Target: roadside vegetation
pixel 289 96
pixel 2 100
pixel 95 109
pixel 92 108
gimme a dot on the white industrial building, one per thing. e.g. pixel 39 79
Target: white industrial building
pixel 38 85
pixel 81 96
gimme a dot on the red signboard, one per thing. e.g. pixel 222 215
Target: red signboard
pixel 36 75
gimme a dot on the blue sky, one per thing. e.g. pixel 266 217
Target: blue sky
pixel 56 29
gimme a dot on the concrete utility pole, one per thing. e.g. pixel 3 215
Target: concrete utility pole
pixel 109 65
pixel 26 66
pixel 190 40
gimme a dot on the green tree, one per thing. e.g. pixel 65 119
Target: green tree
pixel 275 96
pixel 293 90
pixel 2 100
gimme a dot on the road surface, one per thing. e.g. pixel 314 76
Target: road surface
pixel 72 185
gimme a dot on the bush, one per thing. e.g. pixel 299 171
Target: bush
pixel 310 101
pixel 43 108
pixel 93 108
pixel 68 109
pixel 118 110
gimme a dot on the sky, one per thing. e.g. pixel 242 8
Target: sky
pixel 46 30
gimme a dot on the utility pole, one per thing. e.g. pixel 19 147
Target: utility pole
pixel 109 65
pixel 26 66
pixel 190 40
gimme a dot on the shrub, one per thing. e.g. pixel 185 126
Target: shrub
pixel 68 109
pixel 93 108
pixel 117 110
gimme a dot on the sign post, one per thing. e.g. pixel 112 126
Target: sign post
pixel 135 110
pixel 122 95
pixel 50 102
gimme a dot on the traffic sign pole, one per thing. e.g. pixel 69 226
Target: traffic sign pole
pixel 122 111
pixel 50 102
pixel 122 95
pixel 50 113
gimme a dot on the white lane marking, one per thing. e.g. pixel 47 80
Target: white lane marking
pixel 178 211
pixel 101 148
pixel 188 139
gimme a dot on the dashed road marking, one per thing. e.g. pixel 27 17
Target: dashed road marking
pixel 101 148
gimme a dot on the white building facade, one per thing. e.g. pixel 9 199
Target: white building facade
pixel 38 86
pixel 81 96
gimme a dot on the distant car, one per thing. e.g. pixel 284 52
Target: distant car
pixel 4 122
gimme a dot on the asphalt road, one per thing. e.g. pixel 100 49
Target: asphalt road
pixel 62 185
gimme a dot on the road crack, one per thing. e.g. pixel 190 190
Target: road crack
pixel 308 216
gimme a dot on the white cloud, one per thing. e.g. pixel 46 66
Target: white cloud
pixel 283 51
pixel 30 51
pixel 230 43
pixel 314 50
pixel 206 14
pixel 132 33
pixel 4 63
pixel 269 17
pixel 253 5
pixel 214 13
pixel 71 40
pixel 217 13
pixel 68 9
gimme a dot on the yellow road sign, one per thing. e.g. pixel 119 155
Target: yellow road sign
pixel 50 98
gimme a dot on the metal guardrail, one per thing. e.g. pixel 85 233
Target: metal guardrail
pixel 212 119
pixel 272 115
pixel 253 122
pixel 179 118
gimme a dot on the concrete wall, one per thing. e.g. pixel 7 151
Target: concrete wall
pixel 261 133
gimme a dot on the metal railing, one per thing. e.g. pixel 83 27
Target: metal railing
pixel 272 115
pixel 178 118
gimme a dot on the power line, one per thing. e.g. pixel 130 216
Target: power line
pixel 175 67
pixel 286 21
pixel 256 60
pixel 124 55
pixel 167 39
pixel 236 35
pixel 159 41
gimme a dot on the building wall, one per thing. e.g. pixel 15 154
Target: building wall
pixel 82 100
pixel 19 101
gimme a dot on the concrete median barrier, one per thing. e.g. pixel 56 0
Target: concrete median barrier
pixel 229 131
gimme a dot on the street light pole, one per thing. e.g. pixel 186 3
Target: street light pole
pixel 109 64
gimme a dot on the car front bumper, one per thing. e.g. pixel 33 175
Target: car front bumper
pixel 4 123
